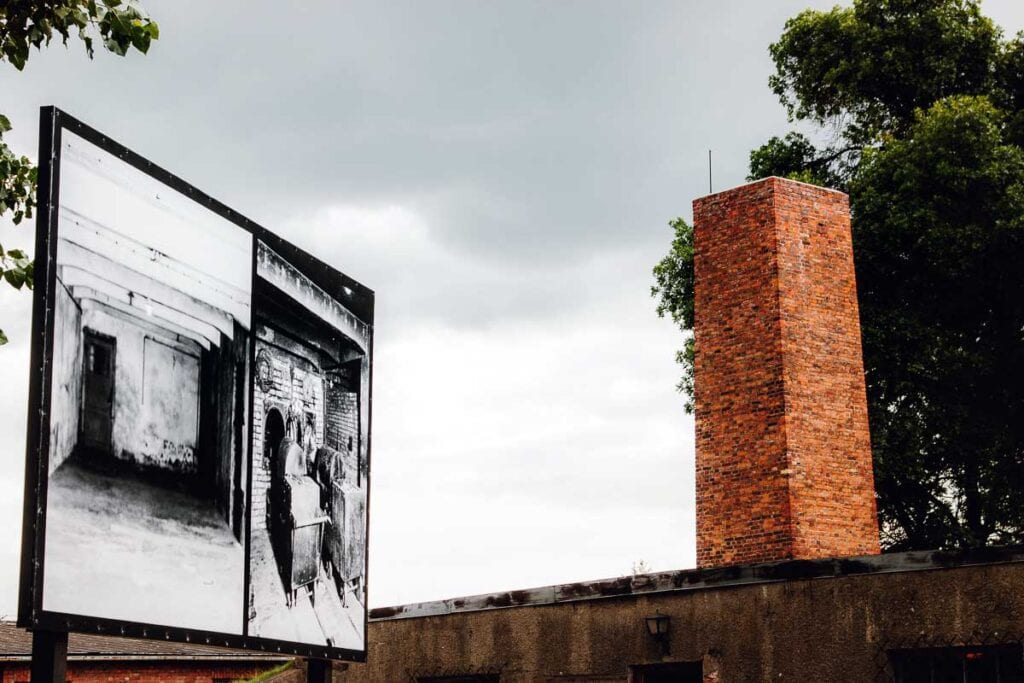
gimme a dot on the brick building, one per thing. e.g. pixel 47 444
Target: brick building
pixel 790 585
pixel 99 659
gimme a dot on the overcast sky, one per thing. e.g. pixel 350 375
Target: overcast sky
pixel 501 174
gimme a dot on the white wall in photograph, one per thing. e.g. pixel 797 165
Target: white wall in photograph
pixel 148 457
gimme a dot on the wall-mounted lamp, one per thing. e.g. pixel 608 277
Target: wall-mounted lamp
pixel 658 627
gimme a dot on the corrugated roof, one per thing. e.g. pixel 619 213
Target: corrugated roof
pixel 16 644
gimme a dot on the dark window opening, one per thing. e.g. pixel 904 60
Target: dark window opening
pixel 99 360
pixel 981 664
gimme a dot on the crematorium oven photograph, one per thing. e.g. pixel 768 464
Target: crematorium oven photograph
pixel 146 498
pixel 310 457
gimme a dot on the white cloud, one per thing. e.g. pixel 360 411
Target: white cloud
pixel 520 449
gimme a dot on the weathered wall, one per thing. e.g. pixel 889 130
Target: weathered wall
pixel 67 376
pixel 813 629
pixel 143 671
pixel 784 464
pixel 156 394
pixel 169 411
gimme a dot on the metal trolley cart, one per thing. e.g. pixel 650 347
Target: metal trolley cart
pixel 296 521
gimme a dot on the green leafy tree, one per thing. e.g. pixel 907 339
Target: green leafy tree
pixel 28 24
pixel 923 101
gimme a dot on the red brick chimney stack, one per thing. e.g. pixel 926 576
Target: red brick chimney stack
pixel 783 451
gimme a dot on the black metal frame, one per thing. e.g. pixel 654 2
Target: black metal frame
pixel 358 298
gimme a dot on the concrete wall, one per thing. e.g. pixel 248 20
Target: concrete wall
pixel 156 394
pixel 67 377
pixel 815 629
pixel 170 405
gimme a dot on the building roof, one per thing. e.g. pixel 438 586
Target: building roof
pixel 711 578
pixel 16 645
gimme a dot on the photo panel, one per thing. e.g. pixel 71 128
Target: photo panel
pixel 198 441
pixel 148 450
pixel 310 446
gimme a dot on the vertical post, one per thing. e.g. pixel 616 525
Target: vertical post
pixel 710 186
pixel 317 671
pixel 49 657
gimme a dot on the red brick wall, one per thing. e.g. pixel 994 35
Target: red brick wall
pixel 783 451
pixel 145 672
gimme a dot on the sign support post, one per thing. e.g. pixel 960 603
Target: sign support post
pixel 49 656
pixel 317 671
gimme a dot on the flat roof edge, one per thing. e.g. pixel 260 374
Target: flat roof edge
pixel 707 579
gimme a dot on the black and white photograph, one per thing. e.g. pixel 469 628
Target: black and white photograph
pixel 146 502
pixel 310 462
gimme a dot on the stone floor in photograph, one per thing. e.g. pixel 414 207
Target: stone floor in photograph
pixel 315 621
pixel 121 547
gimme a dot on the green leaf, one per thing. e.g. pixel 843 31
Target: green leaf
pixel 115 47
pixel 3 338
pixel 15 278
pixel 5 124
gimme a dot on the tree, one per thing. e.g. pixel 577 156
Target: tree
pixel 924 104
pixel 27 24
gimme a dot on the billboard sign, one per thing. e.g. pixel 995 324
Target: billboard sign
pixel 199 428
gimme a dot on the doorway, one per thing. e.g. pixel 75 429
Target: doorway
pixel 273 433
pixel 676 672
pixel 99 354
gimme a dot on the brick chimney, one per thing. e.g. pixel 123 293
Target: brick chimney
pixel 783 451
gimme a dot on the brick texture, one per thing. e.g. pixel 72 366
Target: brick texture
pixel 145 672
pixel 783 451
pixel 296 385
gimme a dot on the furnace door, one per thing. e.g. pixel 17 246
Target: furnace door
pixel 98 358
